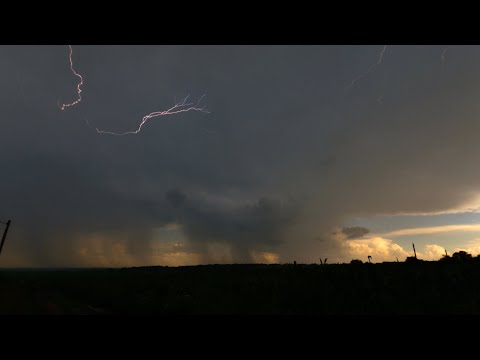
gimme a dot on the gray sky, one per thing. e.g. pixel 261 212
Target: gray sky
pixel 288 154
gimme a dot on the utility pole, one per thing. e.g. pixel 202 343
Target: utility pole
pixel 414 250
pixel 4 234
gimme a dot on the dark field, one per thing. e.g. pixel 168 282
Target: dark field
pixel 388 288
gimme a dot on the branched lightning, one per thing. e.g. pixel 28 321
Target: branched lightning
pixel 380 58
pixel 443 57
pixel 64 106
pixel 180 107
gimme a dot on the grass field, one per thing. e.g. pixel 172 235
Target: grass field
pixel 387 288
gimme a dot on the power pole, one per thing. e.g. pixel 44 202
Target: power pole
pixel 4 235
pixel 414 250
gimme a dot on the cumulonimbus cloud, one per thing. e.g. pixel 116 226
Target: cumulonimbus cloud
pixel 281 127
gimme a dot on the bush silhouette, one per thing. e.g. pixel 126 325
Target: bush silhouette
pixel 462 256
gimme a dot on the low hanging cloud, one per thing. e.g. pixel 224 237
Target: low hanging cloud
pixel 472 247
pixel 379 249
pixel 432 252
pixel 355 232
pixel 247 227
pixel 382 249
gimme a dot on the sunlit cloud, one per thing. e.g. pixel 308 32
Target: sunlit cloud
pixel 378 248
pixel 432 230
pixel 471 247
pixel 382 249
pixel 431 252
pixel 264 257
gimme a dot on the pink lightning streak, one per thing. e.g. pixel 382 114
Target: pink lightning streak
pixel 78 85
pixel 180 107
pixel 380 58
pixel 443 57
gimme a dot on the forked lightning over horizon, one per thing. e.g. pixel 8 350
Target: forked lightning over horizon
pixel 379 61
pixel 370 69
pixel 183 106
pixel 180 107
pixel 79 90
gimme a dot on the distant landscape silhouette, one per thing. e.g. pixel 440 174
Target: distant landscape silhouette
pixel 450 285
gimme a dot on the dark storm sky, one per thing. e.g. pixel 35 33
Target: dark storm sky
pixel 286 154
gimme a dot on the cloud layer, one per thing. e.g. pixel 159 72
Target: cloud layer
pixel 286 155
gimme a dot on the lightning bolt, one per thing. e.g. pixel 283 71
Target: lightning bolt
pixel 64 106
pixel 380 58
pixel 180 107
pixel 443 57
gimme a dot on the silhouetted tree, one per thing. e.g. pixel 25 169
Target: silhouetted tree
pixel 462 256
pixel 356 262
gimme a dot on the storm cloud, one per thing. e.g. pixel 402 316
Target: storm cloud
pixel 355 232
pixel 248 227
pixel 285 156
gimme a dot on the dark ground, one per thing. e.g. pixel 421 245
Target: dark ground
pixel 388 288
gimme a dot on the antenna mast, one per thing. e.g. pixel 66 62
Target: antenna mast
pixel 4 234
